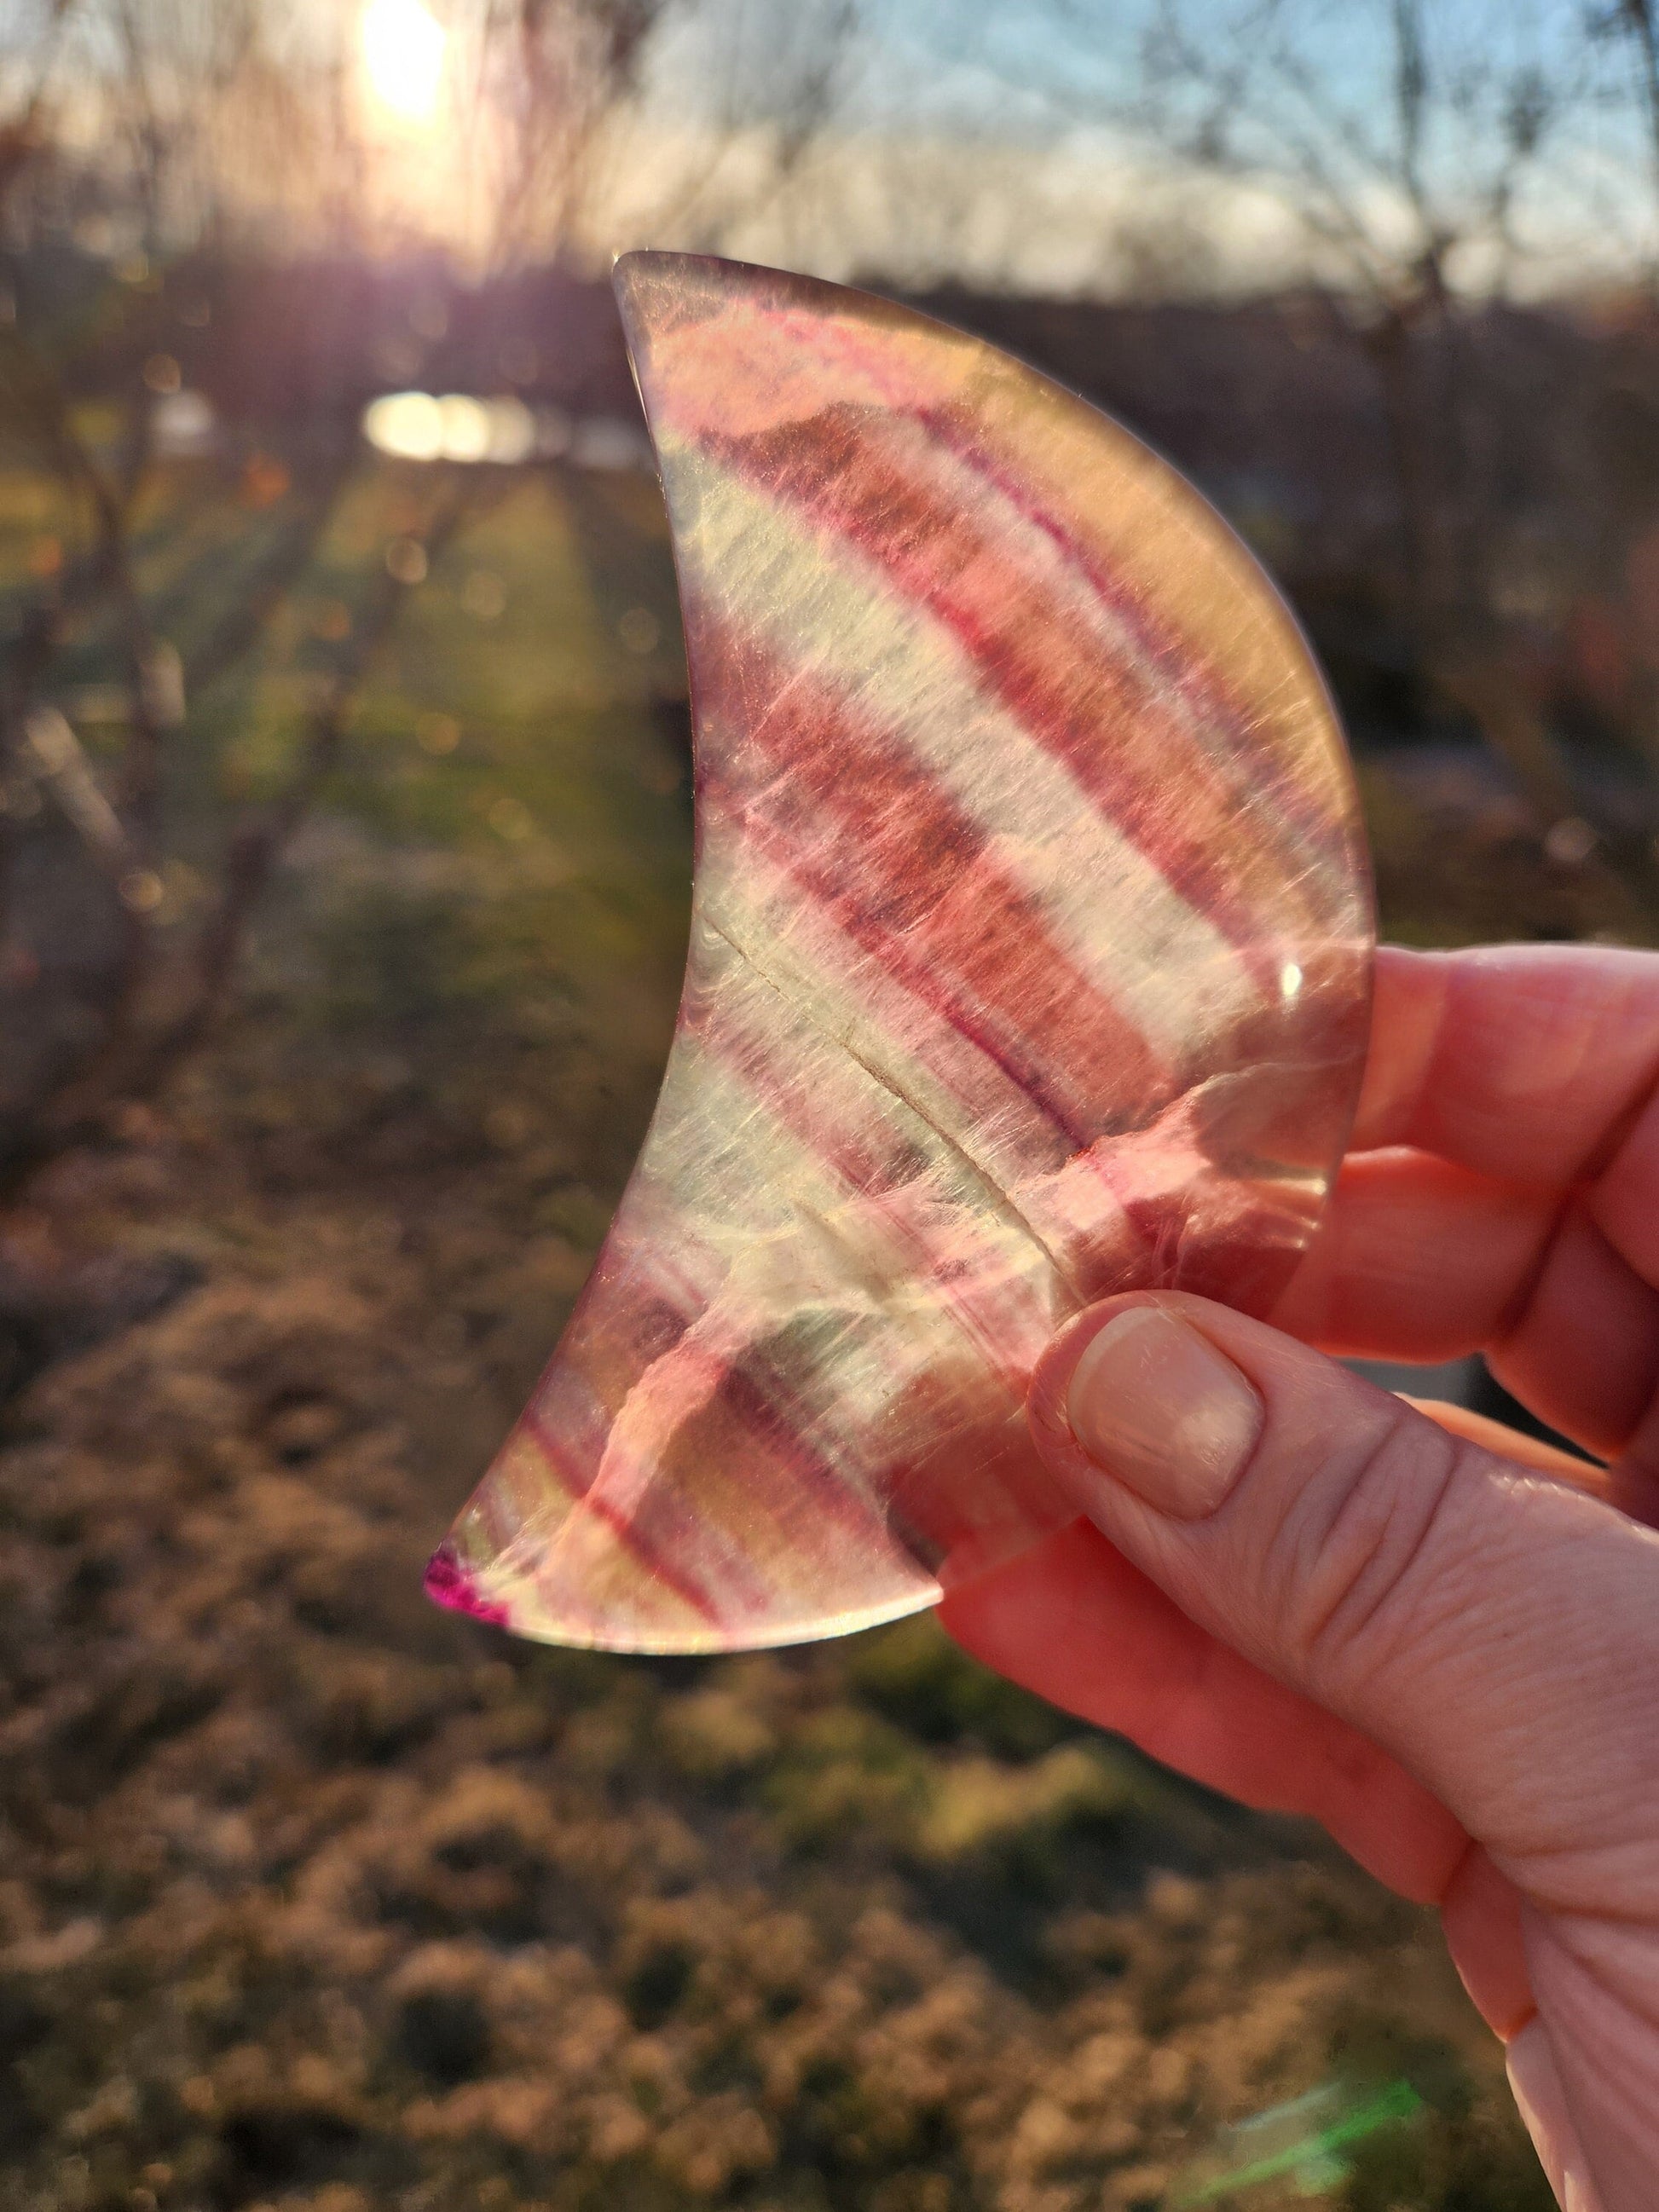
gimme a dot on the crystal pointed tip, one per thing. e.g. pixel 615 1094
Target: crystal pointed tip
pixel 449 1583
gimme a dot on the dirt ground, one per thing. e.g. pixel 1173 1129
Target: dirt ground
pixel 312 1895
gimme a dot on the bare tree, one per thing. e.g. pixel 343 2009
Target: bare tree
pixel 1632 26
pixel 155 130
pixel 1406 144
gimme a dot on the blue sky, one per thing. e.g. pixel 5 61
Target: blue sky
pixel 1048 96
pixel 1008 141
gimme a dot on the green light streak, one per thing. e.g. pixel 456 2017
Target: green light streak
pixel 1399 2101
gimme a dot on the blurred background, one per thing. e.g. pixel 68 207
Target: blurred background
pixel 344 856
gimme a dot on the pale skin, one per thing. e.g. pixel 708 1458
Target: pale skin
pixel 1436 1638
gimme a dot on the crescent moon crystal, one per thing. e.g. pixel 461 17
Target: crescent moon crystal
pixel 1031 956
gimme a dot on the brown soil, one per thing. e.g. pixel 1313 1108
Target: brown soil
pixel 313 1895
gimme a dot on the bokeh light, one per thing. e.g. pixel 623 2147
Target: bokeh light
pixel 416 426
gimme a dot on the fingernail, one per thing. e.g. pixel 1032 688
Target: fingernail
pixel 1155 1404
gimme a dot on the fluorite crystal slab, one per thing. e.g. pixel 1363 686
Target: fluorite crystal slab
pixel 1030 961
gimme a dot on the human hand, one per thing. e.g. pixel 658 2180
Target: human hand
pixel 1434 1636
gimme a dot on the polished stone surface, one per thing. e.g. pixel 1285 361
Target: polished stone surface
pixel 1030 961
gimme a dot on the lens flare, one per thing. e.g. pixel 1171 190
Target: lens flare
pixel 403 48
pixel 1302 2142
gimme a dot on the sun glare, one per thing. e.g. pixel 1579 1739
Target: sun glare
pixel 402 47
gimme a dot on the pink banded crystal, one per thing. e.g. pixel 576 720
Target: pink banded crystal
pixel 1030 961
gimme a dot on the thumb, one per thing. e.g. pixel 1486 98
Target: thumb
pixel 1496 1630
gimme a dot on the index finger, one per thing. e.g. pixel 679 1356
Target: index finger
pixel 1524 1063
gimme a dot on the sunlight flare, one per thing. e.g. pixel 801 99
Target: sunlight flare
pixel 403 47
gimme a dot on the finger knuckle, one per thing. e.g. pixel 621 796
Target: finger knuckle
pixel 1358 1569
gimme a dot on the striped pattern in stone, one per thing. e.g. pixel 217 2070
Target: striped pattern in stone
pixel 1030 961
